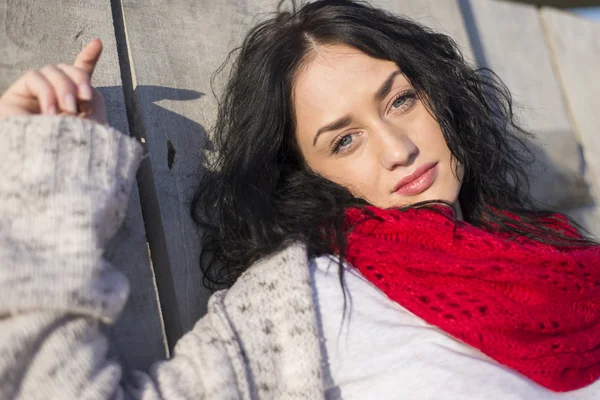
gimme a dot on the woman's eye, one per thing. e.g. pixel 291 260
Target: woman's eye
pixel 346 140
pixel 342 144
pixel 404 101
pixel 399 102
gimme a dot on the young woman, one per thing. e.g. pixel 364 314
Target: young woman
pixel 372 228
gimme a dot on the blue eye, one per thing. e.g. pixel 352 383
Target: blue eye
pixel 346 140
pixel 399 102
pixel 404 100
pixel 342 143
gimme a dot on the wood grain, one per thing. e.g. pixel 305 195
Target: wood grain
pixel 35 33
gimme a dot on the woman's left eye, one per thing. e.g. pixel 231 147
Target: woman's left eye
pixel 403 101
pixel 399 102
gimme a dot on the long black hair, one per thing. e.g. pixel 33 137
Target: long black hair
pixel 264 196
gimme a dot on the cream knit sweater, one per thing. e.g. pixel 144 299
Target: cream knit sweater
pixel 64 185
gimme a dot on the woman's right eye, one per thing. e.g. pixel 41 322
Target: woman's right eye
pixel 342 143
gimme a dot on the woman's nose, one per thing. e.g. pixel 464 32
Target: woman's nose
pixel 397 149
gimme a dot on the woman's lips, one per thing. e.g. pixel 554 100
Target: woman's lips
pixel 418 181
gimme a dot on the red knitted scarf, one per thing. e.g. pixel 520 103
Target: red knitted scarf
pixel 532 307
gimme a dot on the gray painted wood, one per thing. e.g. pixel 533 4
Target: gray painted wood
pixel 575 45
pixel 34 33
pixel 174 48
pixel 509 39
pixel 442 15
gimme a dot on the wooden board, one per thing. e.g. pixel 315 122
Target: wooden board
pixel 575 46
pixel 174 49
pixel 34 33
pixel 509 39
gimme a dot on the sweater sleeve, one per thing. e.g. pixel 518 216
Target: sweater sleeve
pixel 64 186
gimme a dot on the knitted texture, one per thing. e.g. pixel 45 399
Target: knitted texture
pixel 530 306
pixel 63 193
pixel 64 190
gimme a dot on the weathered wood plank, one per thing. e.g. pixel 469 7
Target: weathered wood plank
pixel 575 46
pixel 509 39
pixel 174 48
pixel 34 33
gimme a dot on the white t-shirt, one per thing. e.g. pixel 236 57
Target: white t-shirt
pixel 382 351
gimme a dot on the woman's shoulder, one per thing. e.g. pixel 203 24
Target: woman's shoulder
pixel 281 274
pixel 271 310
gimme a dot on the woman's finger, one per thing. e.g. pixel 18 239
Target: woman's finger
pixel 34 93
pixel 81 79
pixel 64 88
pixel 88 56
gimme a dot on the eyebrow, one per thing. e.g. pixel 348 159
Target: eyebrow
pixel 335 125
pixel 383 91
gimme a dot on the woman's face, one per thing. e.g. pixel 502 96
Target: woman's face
pixel 360 124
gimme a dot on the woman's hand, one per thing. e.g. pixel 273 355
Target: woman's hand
pixel 59 89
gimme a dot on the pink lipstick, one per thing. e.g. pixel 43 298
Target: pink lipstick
pixel 417 182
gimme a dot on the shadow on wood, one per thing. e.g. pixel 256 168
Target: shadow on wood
pixel 176 131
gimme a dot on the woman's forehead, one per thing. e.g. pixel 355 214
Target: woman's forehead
pixel 338 63
pixel 335 75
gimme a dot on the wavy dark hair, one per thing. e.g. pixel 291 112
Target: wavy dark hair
pixel 264 196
